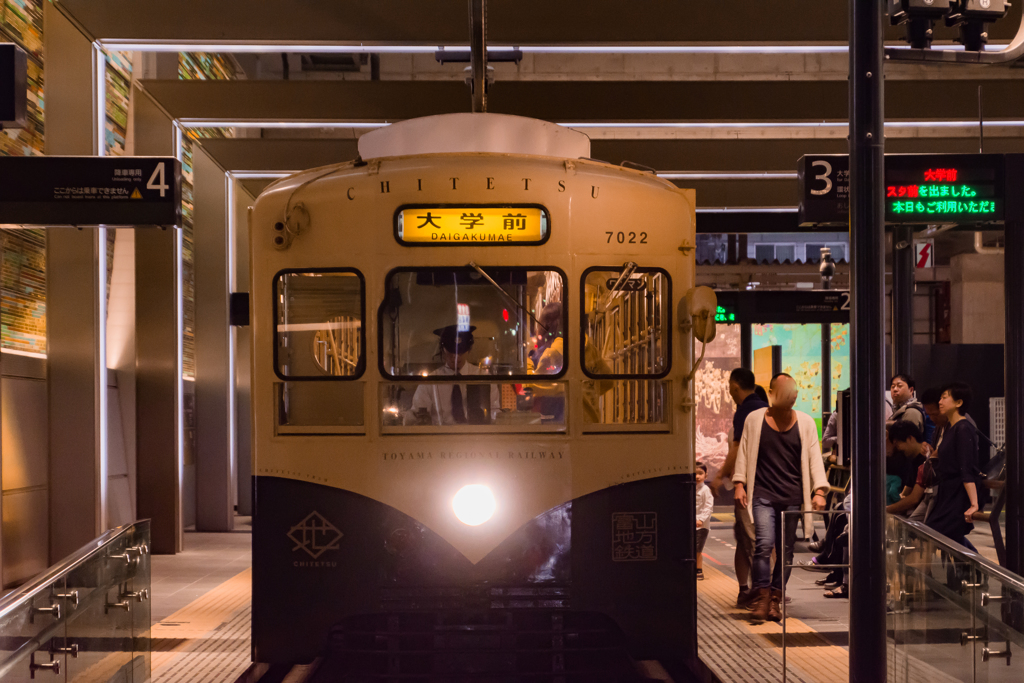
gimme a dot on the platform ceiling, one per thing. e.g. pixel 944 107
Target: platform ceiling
pixel 703 92
pixel 445 22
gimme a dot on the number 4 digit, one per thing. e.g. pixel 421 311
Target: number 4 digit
pixel 157 181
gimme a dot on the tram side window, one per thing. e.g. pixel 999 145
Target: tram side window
pixel 440 325
pixel 319 324
pixel 626 322
pixel 625 344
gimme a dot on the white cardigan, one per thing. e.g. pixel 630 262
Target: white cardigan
pixel 811 467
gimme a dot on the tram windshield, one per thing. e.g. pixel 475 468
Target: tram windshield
pixel 506 322
pixel 476 341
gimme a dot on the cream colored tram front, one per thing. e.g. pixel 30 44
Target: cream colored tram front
pixel 556 488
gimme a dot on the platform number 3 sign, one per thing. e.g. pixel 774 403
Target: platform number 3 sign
pixel 158 181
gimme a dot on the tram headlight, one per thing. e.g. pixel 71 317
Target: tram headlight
pixel 474 504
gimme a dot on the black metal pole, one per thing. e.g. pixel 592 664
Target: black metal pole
pixel 478 52
pixel 827 399
pixel 867 225
pixel 1013 280
pixel 902 298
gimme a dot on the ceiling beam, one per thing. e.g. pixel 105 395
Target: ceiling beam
pixel 260 154
pixel 590 101
pixel 251 154
pixel 445 22
pixel 255 154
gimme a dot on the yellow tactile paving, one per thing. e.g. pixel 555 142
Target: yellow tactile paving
pixel 186 630
pixel 808 652
pixel 174 634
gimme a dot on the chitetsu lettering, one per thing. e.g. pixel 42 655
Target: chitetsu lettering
pixel 299 563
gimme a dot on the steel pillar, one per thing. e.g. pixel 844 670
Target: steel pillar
pixel 867 226
pixel 1014 349
pixel 902 298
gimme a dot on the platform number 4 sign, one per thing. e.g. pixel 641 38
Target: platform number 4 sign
pixel 158 181
pixel 924 254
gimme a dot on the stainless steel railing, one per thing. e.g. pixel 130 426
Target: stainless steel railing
pixel 87 615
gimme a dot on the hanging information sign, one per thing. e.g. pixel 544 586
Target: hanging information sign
pixel 90 191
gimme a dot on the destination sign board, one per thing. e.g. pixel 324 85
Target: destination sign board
pixel 88 191
pixel 789 306
pixel 472 225
pixel 946 188
pixel 920 189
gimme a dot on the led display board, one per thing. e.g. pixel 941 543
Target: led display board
pixel 787 306
pixel 943 188
pixel 471 225
pixel 919 189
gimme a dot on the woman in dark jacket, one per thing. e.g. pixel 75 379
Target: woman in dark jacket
pixel 956 469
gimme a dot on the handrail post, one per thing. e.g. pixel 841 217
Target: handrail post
pixel 867 224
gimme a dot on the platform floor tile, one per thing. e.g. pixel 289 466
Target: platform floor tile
pixel 738 651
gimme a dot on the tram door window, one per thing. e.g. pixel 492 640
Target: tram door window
pixel 626 345
pixel 470 347
pixel 319 344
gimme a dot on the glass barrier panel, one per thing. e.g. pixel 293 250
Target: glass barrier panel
pixel 1000 616
pixel 470 406
pixel 100 627
pixel 953 614
pixel 140 585
pixel 626 402
pixel 74 622
pixel 318 407
pixel 33 634
pixel 896 603
pixel 938 609
pixel 319 324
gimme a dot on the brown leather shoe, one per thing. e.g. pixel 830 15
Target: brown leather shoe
pixel 745 597
pixel 774 611
pixel 761 601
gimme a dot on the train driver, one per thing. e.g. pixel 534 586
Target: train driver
pixel 448 404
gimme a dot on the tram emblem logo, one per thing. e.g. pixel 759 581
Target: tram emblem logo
pixel 315 535
pixel 634 536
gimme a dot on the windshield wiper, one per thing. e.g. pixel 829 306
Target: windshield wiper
pixel 508 296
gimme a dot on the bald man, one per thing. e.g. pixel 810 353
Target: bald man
pixel 778 468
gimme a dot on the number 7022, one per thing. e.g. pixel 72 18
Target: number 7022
pixel 627 237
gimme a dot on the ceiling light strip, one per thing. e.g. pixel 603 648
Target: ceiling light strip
pixel 726 175
pixel 367 125
pixel 312 47
pixel 749 209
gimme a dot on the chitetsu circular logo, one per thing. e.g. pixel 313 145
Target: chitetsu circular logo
pixel 985 4
pixel 315 535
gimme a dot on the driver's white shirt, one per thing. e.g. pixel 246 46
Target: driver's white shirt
pixel 436 397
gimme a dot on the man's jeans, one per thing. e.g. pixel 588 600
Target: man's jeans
pixel 769 536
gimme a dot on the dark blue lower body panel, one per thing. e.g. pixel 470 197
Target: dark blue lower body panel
pixel 326 560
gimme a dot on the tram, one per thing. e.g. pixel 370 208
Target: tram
pixel 472 426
